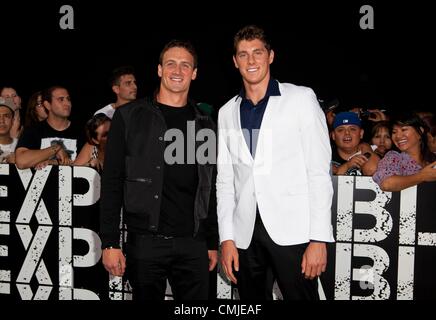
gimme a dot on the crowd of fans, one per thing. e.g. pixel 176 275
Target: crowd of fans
pixel 397 149
pixel 47 136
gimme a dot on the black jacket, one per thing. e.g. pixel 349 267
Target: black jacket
pixel 133 175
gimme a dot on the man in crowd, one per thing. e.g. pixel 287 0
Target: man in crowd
pixel 350 156
pixel 10 93
pixel 53 141
pixel 7 144
pixel 123 83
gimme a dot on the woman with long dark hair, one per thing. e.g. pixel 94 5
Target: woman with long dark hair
pixel 35 111
pixel 92 153
pixel 415 163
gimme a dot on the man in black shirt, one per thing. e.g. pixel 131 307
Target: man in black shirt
pixel 53 141
pixel 153 171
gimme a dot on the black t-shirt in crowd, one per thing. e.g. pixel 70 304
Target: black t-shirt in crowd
pixel 42 135
pixel 180 179
pixel 337 161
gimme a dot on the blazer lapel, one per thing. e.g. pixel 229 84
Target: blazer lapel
pixel 263 155
pixel 246 154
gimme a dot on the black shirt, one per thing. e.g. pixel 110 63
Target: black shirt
pixel 42 135
pixel 337 161
pixel 180 178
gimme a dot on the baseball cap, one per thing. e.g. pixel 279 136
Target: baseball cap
pixel 7 103
pixel 346 118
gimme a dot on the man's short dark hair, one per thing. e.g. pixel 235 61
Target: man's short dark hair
pixel 7 87
pixel 180 44
pixel 249 33
pixel 47 94
pixel 118 73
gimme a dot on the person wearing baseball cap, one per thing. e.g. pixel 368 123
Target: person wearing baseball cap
pixel 14 102
pixel 346 118
pixel 351 156
pixel 7 103
pixel 7 143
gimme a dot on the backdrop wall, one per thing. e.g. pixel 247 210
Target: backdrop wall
pixel 50 249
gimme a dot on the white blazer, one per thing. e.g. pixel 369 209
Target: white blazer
pixel 289 177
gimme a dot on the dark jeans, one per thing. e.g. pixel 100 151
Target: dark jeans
pixel 264 256
pixel 152 259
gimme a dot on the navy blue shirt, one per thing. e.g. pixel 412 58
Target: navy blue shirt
pixel 252 115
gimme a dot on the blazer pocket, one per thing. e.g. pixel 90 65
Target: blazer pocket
pixel 137 191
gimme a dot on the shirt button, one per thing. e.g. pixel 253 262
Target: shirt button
pixel 160 138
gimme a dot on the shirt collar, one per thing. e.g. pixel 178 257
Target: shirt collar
pixel 272 90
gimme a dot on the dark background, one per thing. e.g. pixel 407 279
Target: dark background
pixel 317 45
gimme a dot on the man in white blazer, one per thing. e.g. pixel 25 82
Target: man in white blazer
pixel 274 188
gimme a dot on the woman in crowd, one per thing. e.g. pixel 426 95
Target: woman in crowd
pixel 414 164
pixel 92 153
pixel 35 111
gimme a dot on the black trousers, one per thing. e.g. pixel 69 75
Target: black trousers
pixel 152 259
pixel 264 257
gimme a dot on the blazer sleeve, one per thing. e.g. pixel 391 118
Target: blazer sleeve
pixel 112 183
pixel 317 155
pixel 224 185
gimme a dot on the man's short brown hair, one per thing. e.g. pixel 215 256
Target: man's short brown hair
pixel 250 33
pixel 180 44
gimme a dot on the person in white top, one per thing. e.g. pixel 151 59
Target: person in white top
pixel 123 82
pixel 274 190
